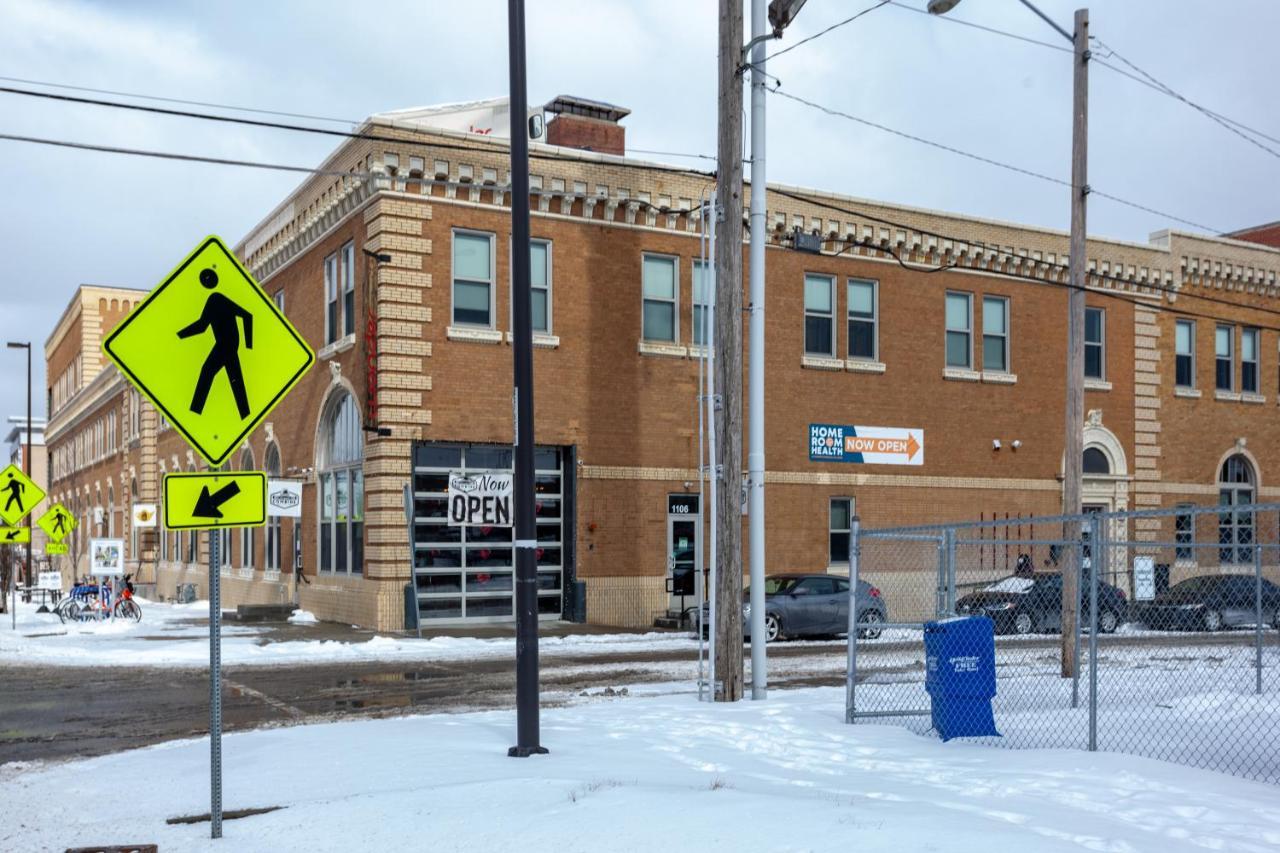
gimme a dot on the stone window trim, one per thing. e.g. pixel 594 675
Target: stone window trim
pixel 1097 385
pixel 540 340
pixel 999 377
pixel 1226 396
pixel 961 374
pixel 339 346
pixel 858 365
pixel 473 335
pixel 662 349
pixel 1254 399
pixel 820 362
pixel 1187 393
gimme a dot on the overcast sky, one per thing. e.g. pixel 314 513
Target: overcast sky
pixel 69 217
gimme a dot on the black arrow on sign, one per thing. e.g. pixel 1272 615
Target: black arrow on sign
pixel 209 505
pixel 11 535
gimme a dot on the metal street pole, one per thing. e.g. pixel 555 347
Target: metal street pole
pixel 527 737
pixel 215 684
pixel 755 350
pixel 728 357
pixel 1073 459
pixel 26 467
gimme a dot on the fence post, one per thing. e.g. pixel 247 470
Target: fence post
pixel 950 544
pixel 1096 562
pixel 1257 607
pixel 851 669
pixel 1078 568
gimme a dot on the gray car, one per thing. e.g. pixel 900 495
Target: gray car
pixel 800 605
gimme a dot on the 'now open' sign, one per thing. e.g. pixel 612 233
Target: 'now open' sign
pixel 480 500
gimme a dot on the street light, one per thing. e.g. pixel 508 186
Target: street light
pixel 1073 450
pixel 26 469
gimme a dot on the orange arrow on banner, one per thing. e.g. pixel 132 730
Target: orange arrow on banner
pixel 908 446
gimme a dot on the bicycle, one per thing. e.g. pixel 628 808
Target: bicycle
pixel 125 607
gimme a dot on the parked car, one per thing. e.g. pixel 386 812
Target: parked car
pixel 1032 603
pixel 1211 603
pixel 800 605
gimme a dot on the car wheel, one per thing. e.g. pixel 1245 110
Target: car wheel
pixel 772 628
pixel 871 619
pixel 1023 623
pixel 1212 620
pixel 1108 622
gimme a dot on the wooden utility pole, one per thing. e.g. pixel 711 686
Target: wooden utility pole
pixel 728 358
pixel 1073 459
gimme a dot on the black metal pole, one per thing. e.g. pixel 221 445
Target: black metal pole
pixel 26 464
pixel 527 739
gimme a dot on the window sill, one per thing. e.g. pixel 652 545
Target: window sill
pixel 697 351
pixel 272 575
pixel 856 365
pixel 340 345
pixel 821 362
pixel 245 573
pixel 1229 396
pixel 1188 393
pixel 540 340
pixel 663 350
pixel 1097 385
pixel 477 336
pixel 999 377
pixel 1255 399
pixel 961 374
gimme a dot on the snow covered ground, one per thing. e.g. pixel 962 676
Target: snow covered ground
pixel 166 636
pixel 645 774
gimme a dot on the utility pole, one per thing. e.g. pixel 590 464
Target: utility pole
pixel 1073 460
pixel 527 728
pixel 728 359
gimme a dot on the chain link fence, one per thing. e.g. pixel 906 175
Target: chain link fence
pixel 1171 642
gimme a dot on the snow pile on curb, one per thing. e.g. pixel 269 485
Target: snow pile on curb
pixel 303 617
pixel 640 774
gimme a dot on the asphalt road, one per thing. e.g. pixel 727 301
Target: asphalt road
pixel 61 712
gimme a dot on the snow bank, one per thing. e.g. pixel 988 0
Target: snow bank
pixel 665 773
pixel 303 617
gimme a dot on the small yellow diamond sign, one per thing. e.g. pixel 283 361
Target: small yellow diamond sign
pixel 206 500
pixel 211 350
pixel 15 535
pixel 57 522
pixel 18 494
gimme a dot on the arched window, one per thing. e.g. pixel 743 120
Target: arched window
pixel 1096 462
pixel 247 536
pixel 271 556
pixel 340 463
pixel 1236 483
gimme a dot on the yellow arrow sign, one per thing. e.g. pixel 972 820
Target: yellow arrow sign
pixel 18 494
pixel 211 350
pixel 15 535
pixel 202 501
pixel 57 522
pixel 54 549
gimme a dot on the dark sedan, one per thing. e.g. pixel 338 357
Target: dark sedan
pixel 814 605
pixel 1211 603
pixel 1028 604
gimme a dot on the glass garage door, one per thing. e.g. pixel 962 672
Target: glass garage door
pixel 468 572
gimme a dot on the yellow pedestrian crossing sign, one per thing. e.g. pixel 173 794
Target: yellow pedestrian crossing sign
pixel 18 494
pixel 15 535
pixel 57 522
pixel 211 350
pixel 198 501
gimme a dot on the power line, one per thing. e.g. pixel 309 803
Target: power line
pixel 304 128
pixel 1059 267
pixel 821 33
pixel 1155 86
pixel 336 173
pixel 988 161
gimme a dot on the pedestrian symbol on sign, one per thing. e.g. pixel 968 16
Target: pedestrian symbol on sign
pixel 15 488
pixel 220 315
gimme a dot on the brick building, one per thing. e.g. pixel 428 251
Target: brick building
pixel 413 378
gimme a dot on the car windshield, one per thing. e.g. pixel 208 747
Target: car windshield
pixel 776 586
pixel 1012 584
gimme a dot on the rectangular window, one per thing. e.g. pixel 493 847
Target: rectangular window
pixel 1224 342
pixel 701 299
pixel 472 279
pixel 660 321
pixel 349 289
pixel 1095 346
pixel 1184 534
pixel 1249 361
pixel 863 319
pixel 540 279
pixel 819 315
pixel 331 299
pixel 995 334
pixel 959 330
pixel 278 298
pixel 1185 353
pixel 838 531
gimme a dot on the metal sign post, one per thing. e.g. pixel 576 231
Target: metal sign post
pixel 215 686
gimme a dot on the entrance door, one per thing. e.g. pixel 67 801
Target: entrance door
pixel 684 550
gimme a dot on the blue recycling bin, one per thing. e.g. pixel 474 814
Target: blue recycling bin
pixel 960 676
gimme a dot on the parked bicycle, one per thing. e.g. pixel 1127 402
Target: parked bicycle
pixel 87 602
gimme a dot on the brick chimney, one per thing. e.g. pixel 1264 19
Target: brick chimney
pixel 588 125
